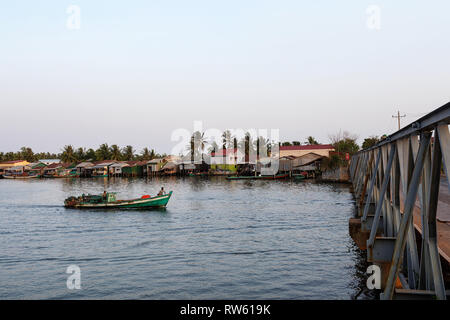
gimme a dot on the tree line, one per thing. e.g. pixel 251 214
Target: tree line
pixel 70 154
pixel 343 142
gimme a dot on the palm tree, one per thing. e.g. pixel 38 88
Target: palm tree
pixel 214 147
pixel 128 153
pixel 27 154
pixel 227 140
pixel 90 155
pixel 197 144
pixel 262 146
pixel 80 154
pixel 115 152
pixel 102 153
pixel 68 154
pixel 145 154
pixel 311 141
pixel 247 144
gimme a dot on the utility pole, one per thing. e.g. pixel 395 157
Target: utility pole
pixel 398 116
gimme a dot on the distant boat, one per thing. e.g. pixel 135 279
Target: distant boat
pixel 298 176
pixel 198 174
pixel 20 176
pixel 110 201
pixel 275 177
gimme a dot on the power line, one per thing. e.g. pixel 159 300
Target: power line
pixel 398 116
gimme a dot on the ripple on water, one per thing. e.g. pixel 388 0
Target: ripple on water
pixel 218 239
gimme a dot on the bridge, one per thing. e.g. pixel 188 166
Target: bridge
pixel 403 208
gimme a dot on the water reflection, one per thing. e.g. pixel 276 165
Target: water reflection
pixel 217 239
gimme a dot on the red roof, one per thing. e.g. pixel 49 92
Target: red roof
pixel 224 152
pixel 308 147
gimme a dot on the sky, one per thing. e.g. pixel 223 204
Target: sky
pixel 132 72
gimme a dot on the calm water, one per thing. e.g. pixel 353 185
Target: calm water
pixel 217 239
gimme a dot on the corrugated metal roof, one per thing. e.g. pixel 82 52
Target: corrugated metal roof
pixel 120 165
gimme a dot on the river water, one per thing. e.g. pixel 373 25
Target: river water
pixel 217 239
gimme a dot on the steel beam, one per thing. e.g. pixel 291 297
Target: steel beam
pixel 400 242
pixel 386 178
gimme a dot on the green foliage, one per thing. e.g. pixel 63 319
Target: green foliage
pixel 68 155
pixel 286 144
pixel 71 155
pixel 344 142
pixel 296 143
pixel 115 152
pixel 27 154
pixel 369 142
pixel 311 141
pixel 103 152
pixel 128 153
pixel 333 162
pixel 90 155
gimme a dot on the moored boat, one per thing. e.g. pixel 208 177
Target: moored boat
pixel 20 176
pixel 274 177
pixel 109 200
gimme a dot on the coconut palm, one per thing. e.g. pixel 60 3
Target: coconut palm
pixel 103 153
pixel 27 154
pixel 90 155
pixel 228 141
pixel 128 153
pixel 145 154
pixel 214 147
pixel 311 140
pixel 262 146
pixel 68 154
pixel 197 145
pixel 115 152
pixel 80 154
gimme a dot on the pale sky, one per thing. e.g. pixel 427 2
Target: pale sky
pixel 137 70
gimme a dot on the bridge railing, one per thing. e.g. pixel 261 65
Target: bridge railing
pixel 388 180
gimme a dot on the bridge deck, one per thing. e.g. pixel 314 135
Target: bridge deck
pixel 443 219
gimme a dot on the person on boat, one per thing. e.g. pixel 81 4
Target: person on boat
pixel 104 195
pixel 161 192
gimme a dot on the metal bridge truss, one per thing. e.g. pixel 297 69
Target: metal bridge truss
pixel 387 180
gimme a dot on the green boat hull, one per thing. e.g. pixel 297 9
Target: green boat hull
pixel 154 202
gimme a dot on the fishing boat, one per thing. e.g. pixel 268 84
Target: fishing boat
pixel 21 176
pixel 109 200
pixel 274 177
pixel 198 174
pixel 298 177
